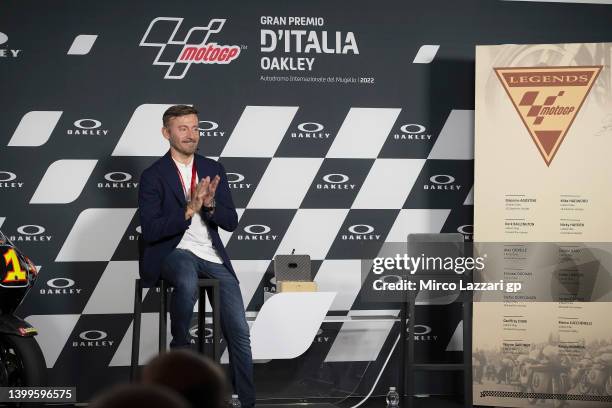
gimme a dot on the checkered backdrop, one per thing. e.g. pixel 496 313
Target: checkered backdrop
pixel 381 147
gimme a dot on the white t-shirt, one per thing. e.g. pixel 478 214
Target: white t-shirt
pixel 197 237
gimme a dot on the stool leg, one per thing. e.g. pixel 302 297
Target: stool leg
pixel 162 317
pixel 403 329
pixel 216 322
pixel 410 377
pixel 201 317
pixel 136 330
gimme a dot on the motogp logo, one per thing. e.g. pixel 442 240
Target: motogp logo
pixel 195 46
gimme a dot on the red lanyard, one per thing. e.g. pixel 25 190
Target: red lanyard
pixel 193 179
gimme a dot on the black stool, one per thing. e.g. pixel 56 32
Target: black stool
pixel 204 285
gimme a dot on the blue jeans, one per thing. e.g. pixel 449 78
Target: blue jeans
pixel 182 269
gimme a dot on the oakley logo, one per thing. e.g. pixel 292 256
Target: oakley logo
pixel 93 335
pixel 87 124
pixel 118 176
pixel 209 125
pixel 466 229
pixel 234 177
pixel 251 229
pixel 38 228
pixel 7 176
pixel 336 178
pixel 361 229
pixel 64 283
pixel 413 128
pixel 442 179
pixel 310 127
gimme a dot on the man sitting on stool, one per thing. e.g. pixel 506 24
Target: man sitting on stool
pixel 183 199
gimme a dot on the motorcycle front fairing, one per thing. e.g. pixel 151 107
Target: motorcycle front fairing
pixel 17 276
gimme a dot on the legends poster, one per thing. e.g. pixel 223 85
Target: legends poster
pixel 542 180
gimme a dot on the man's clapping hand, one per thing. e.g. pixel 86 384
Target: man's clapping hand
pixel 204 196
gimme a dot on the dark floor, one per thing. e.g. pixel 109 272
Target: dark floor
pixel 373 402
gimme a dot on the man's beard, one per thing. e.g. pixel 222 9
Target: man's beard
pixel 186 150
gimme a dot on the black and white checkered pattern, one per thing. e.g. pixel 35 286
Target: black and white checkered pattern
pixel 332 170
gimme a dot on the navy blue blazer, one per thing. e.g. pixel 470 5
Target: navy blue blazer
pixel 161 205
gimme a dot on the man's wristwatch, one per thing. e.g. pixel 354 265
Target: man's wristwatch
pixel 210 207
